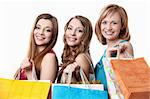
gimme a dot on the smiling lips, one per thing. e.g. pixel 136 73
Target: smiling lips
pixel 40 37
pixel 72 39
pixel 109 32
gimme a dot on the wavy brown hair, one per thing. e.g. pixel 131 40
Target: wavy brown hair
pixel 32 53
pixel 69 54
pixel 111 9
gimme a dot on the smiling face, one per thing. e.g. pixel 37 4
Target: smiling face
pixel 111 26
pixel 43 32
pixel 74 32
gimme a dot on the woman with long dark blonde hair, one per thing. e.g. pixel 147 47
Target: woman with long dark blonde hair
pixel 76 54
pixel 41 55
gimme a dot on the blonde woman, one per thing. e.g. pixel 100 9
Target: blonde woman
pixel 41 55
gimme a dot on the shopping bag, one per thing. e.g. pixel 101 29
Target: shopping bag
pixel 112 84
pixel 78 91
pixel 66 91
pixel 133 77
pixel 21 89
pixel 100 73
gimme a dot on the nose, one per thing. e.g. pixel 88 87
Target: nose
pixel 73 32
pixel 108 27
pixel 41 31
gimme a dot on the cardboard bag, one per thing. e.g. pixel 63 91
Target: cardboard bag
pixel 20 89
pixel 133 77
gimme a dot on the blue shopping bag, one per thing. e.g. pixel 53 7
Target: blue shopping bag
pixel 68 92
pixel 100 73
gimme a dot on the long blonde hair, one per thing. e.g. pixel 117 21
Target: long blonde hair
pixel 111 9
pixel 32 53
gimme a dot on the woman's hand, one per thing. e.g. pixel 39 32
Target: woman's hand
pixel 122 50
pixel 66 73
pixel 26 63
pixel 70 68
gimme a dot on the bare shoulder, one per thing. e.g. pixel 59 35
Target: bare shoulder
pixel 49 58
pixel 82 59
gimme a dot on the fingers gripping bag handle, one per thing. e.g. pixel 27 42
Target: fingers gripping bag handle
pixel 82 75
pixel 31 74
pixel 127 55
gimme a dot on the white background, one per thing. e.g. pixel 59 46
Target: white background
pixel 17 18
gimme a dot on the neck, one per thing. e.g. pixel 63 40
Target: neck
pixel 40 48
pixel 111 43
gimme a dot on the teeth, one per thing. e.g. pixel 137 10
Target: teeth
pixel 72 39
pixel 39 38
pixel 109 33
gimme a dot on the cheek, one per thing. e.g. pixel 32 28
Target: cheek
pixel 49 36
pixel 67 33
pixel 102 27
pixel 80 37
pixel 118 29
pixel 35 31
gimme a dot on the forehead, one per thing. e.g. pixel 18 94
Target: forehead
pixel 45 22
pixel 75 23
pixel 115 15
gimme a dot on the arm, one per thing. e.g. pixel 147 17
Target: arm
pixel 122 50
pixel 49 67
pixel 83 62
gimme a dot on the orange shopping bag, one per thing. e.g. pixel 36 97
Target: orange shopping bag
pixel 21 89
pixel 133 77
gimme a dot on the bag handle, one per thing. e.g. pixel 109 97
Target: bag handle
pixel 31 74
pixel 17 74
pixel 126 53
pixel 83 77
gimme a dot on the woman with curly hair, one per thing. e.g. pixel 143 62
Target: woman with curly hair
pixel 76 54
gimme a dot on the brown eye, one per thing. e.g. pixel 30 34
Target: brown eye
pixel 104 22
pixel 114 22
pixel 49 30
pixel 80 30
pixel 37 27
pixel 69 28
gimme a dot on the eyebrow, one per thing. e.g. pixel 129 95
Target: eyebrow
pixel 48 27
